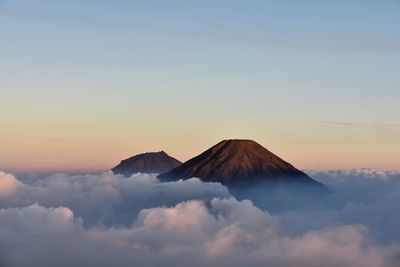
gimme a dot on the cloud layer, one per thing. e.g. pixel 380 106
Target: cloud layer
pixel 109 220
pixel 106 198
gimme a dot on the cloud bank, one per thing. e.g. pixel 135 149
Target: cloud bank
pixel 109 220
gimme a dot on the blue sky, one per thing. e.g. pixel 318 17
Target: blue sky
pixel 313 81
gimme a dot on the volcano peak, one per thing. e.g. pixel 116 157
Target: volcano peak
pixel 237 161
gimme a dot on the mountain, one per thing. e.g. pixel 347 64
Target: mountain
pixel 151 162
pixel 238 162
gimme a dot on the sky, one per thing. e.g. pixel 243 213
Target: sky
pixel 85 84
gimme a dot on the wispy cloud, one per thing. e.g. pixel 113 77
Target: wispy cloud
pixel 308 39
pixel 358 123
pixel 51 14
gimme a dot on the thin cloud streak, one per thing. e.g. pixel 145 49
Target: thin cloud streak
pixel 358 124
pixel 7 10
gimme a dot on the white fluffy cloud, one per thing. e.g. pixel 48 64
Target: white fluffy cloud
pixel 227 233
pixel 8 185
pixel 109 220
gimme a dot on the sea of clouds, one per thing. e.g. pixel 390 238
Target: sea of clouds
pixel 110 220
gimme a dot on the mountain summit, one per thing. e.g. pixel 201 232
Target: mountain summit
pixel 238 162
pixel 151 162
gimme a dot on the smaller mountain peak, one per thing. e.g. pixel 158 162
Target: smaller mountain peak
pixel 148 162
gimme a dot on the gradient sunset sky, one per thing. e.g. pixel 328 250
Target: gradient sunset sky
pixel 84 84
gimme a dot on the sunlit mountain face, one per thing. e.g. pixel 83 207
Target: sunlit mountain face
pixel 199 133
